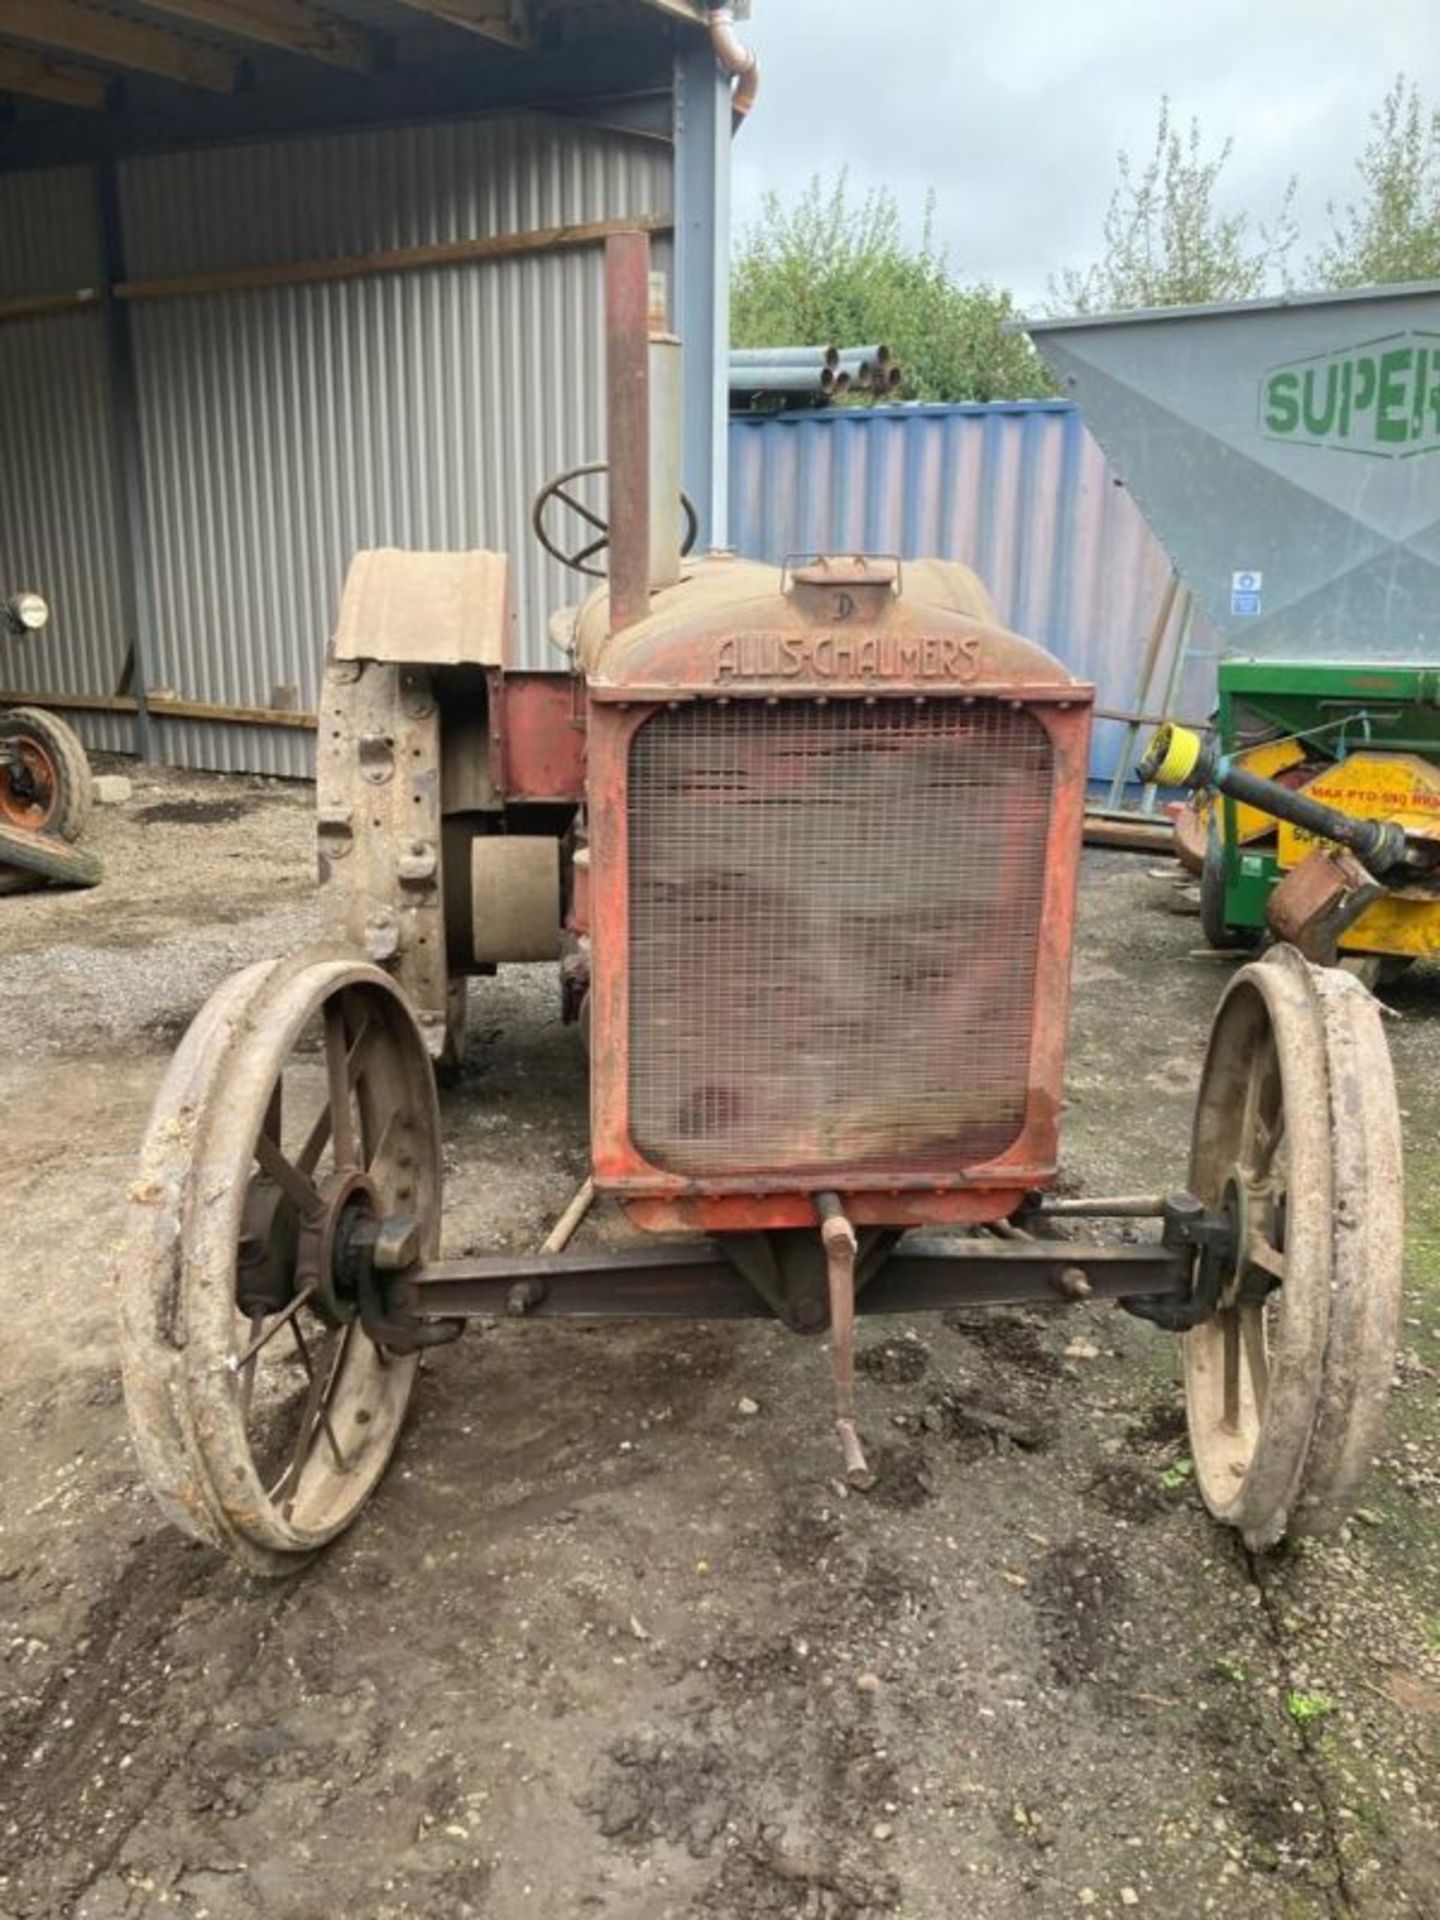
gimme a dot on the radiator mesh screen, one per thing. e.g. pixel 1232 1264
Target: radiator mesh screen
pixel 834 913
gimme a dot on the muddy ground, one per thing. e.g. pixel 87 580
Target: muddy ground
pixel 607 1643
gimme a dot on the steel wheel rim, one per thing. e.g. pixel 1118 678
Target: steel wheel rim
pixel 32 815
pixel 197 1427
pixel 1367 1297
pixel 1262 1123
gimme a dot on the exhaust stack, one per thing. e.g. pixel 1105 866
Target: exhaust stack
pixel 644 401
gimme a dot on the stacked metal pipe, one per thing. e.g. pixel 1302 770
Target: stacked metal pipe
pixel 816 375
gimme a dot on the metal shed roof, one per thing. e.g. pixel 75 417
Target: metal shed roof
pixel 81 81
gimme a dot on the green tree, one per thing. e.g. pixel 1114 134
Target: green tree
pixel 828 270
pixel 1393 232
pixel 1166 241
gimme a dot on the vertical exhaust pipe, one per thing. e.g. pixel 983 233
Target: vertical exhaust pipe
pixel 627 380
pixel 644 404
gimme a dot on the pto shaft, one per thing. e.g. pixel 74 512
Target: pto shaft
pixel 1176 757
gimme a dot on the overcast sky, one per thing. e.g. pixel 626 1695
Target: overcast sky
pixel 1014 110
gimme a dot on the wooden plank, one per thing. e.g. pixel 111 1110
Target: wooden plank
pixel 170 706
pixel 69 702
pixel 164 706
pixel 503 21
pixel 292 25
pixel 505 246
pixel 55 80
pixel 69 26
pixel 34 306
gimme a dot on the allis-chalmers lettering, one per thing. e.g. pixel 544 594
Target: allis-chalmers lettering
pixel 849 656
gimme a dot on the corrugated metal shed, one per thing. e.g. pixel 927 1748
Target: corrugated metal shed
pixel 278 297
pixel 1020 491
pixel 58 509
pixel 285 429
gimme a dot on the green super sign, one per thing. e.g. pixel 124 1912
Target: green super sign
pixel 1380 399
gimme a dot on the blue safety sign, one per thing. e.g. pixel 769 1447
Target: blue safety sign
pixel 1246 589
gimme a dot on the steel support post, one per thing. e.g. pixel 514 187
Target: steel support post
pixel 702 279
pixel 136 585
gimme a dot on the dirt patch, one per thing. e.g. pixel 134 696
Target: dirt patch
pixel 653 1788
pixel 1010 1339
pixel 194 813
pixel 773 1885
pixel 1129 1492
pixel 895 1363
pixel 993 1423
pixel 1079 1595
pixel 903 1479
pixel 1161 1425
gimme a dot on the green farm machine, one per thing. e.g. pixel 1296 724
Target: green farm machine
pixel 1287 454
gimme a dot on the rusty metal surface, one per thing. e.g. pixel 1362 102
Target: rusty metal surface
pixel 425 609
pixel 1366 1298
pixel 627 393
pixel 218 1121
pixel 538 735
pixel 730 655
pixel 693 1279
pixel 1262 1148
pixel 1315 902
pixel 378 825
pixel 834 917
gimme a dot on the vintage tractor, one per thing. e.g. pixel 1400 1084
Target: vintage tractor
pixel 44 780
pixel 804 844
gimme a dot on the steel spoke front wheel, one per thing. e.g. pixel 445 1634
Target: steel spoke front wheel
pixel 300 1107
pixel 1261 1157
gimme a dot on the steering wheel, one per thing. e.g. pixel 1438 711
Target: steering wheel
pixel 582 558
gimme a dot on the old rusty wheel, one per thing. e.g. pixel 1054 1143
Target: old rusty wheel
pixel 298 1112
pixel 1365 1300
pixel 46 788
pixel 1262 1153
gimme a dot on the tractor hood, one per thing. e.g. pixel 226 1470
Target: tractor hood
pixel 737 627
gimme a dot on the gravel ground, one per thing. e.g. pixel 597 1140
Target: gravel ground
pixel 611 1638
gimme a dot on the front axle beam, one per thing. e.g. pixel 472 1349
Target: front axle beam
pixel 693 1280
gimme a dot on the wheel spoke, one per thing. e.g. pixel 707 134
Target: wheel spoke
pixel 291 1181
pixel 1265 1255
pixel 1230 1328
pixel 1260 1116
pixel 311 1418
pixel 308 1157
pixel 337 1074
pixel 246 1368
pixel 1257 1364
pixel 395 1121
pixel 1269 1138
pixel 238 1361
pixel 322 1414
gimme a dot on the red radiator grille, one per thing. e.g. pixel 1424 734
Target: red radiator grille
pixel 834 913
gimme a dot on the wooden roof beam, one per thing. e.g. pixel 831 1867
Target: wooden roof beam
pixel 505 22
pixel 69 26
pixel 294 26
pixel 53 80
